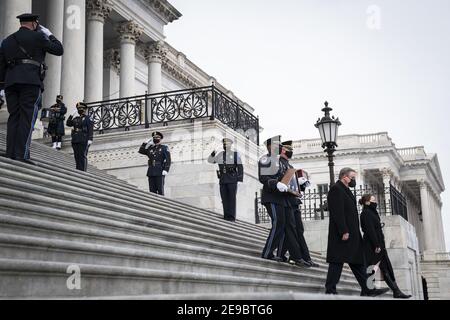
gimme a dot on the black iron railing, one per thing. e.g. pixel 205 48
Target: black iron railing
pixel 314 206
pixel 162 108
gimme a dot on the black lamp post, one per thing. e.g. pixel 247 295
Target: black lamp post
pixel 328 129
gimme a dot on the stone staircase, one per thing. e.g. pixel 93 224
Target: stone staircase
pixel 128 243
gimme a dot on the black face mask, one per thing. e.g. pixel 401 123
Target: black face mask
pixel 156 141
pixel 352 183
pixel 81 112
pixel 58 101
pixel 373 205
pixel 289 154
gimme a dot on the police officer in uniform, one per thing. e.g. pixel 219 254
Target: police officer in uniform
pixel 274 196
pixel 231 171
pixel 22 72
pixel 298 184
pixel 159 162
pixel 56 122
pixel 82 135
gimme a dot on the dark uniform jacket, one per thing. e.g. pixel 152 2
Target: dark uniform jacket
pixel 37 45
pixel 343 219
pixel 271 170
pixel 159 159
pixel 83 129
pixel 56 120
pixel 231 169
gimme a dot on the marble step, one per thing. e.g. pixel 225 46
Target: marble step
pixel 37 249
pixel 25 278
pixel 43 181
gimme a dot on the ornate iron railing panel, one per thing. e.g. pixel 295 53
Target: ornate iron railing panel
pixel 314 203
pixel 165 107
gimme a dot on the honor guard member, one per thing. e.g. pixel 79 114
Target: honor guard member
pixel 22 72
pixel 82 135
pixel 274 196
pixel 299 185
pixel 56 122
pixel 159 162
pixel 231 171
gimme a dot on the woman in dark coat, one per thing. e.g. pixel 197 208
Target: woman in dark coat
pixel 374 244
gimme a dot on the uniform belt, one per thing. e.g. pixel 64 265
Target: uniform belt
pixel 26 61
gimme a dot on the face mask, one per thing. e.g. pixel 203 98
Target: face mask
pixel 289 154
pixel 80 112
pixel 156 140
pixel 373 205
pixel 352 183
pixel 58 101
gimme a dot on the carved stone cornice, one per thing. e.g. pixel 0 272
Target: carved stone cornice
pixel 164 9
pixel 129 31
pixel 178 73
pixel 111 59
pixel 98 9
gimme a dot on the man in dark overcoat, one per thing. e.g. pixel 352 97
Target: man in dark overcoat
pixel 344 236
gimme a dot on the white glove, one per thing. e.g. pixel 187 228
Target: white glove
pixel 282 187
pixel 149 144
pixel 89 142
pixel 302 180
pixel 45 31
pixel 164 173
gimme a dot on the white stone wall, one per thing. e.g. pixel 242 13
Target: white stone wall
pixel 191 178
pixel 437 275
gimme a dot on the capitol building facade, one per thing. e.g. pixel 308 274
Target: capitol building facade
pixel 118 60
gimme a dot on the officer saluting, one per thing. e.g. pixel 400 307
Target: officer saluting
pixel 22 72
pixel 230 173
pixel 158 162
pixel 56 122
pixel 82 134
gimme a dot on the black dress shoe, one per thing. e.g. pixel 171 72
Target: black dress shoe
pixel 313 264
pixel 400 295
pixel 27 161
pixel 301 263
pixel 331 292
pixel 374 292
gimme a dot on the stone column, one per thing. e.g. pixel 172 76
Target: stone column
pixel 154 55
pixel 129 34
pixel 111 70
pixel 10 10
pixel 427 219
pixel 97 12
pixel 72 77
pixel 55 23
pixel 387 174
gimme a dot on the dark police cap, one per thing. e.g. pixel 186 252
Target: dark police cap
pixel 81 105
pixel 157 134
pixel 275 139
pixel 28 17
pixel 227 141
pixel 287 145
pixel 59 97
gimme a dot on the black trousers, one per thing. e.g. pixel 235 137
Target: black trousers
pixel 80 151
pixel 282 234
pixel 56 138
pixel 24 102
pixel 304 250
pixel 228 193
pixel 335 271
pixel 156 184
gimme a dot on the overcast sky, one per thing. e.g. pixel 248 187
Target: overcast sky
pixel 382 65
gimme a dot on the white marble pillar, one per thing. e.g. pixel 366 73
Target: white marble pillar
pixel 10 10
pixel 55 23
pixel 129 34
pixel 72 77
pixel 427 219
pixel 111 71
pixel 387 175
pixel 97 12
pixel 155 54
